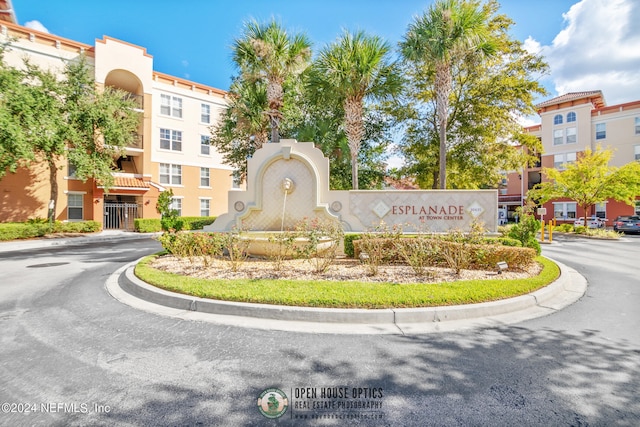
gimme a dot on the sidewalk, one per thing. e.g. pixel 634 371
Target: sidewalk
pixel 71 239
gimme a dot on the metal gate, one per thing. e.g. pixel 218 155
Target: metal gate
pixel 120 216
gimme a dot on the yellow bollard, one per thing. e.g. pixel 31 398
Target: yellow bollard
pixel 542 230
pixel 551 231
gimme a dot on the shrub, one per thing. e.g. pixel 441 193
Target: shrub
pixel 525 231
pixel 37 228
pixel 154 225
pixel 77 227
pixel 348 243
pixel 236 248
pixel 580 229
pixel 282 249
pixel 15 230
pixel 378 246
pixel 196 222
pixel 192 245
pixel 457 255
pixel 419 252
pixel 505 241
pixel 147 225
pixel 564 228
pixel 314 232
pixel 170 221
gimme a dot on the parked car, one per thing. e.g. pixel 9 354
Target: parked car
pixel 627 224
pixel 592 222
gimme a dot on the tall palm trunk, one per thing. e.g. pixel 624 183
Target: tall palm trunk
pixel 443 89
pixel 354 128
pixel 275 97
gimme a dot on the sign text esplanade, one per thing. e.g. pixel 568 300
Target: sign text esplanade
pixel 303 172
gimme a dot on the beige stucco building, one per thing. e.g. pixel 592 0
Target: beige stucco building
pixel 569 124
pixel 170 152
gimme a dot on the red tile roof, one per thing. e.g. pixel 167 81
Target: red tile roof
pixel 595 96
pixel 126 182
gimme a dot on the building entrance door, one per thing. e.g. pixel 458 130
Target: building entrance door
pixel 120 216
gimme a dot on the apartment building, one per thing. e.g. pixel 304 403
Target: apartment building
pixel 570 124
pixel 170 151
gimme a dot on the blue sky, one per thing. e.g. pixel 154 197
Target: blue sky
pixel 589 44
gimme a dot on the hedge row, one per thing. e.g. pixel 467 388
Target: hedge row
pixel 351 237
pixel 30 230
pixel 190 223
pixel 440 252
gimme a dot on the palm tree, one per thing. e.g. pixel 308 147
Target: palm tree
pixel 448 30
pixel 266 53
pixel 354 68
pixel 244 126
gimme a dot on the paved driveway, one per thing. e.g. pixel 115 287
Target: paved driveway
pixel 70 354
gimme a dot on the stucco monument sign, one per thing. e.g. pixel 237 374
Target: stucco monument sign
pixel 289 181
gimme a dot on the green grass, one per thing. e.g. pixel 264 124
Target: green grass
pixel 348 294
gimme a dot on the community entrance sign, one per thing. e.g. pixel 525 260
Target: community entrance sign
pixel 289 181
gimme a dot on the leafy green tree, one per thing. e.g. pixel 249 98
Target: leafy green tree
pixel 351 70
pixel 169 219
pixel 47 119
pixel 244 127
pixel 322 122
pixel 268 54
pixel 488 94
pixel 590 180
pixel 15 150
pixel 447 31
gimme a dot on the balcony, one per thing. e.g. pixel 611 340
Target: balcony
pixel 138 100
pixel 509 199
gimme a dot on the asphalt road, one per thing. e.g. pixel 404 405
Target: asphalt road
pixel 70 354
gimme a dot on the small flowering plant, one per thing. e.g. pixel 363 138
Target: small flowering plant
pixel 319 240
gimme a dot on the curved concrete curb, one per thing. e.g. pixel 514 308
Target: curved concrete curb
pixel 569 287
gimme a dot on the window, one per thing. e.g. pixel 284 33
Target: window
pixel 171 139
pixel 171 106
pixel 557 119
pixel 71 170
pixel 205 113
pixel 601 210
pixel 75 206
pixel 636 152
pixel 558 135
pixel 205 147
pixel 564 210
pixel 560 161
pixel 637 211
pixel 637 125
pixel 571 117
pixel 571 136
pixel 204 177
pixel 170 174
pixel 176 204
pixel 205 207
pixel 601 131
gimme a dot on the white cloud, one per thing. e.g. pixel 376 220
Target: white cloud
pixel 599 48
pixel 36 25
pixel 532 46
